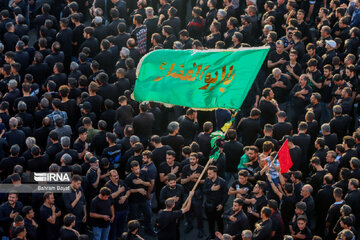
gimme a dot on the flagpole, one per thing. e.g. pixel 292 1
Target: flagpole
pixel 207 164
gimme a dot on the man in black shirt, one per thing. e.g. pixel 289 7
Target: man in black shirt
pixel 67 231
pixel 281 128
pixel 203 139
pixel 268 107
pixel 288 200
pixel 170 38
pixel 280 85
pixel 29 223
pixel 167 220
pixel 257 201
pixel 93 179
pixel 38 162
pixel 99 143
pixel 215 192
pixel 102 214
pixel 324 199
pixel 75 201
pixel 170 166
pixel 105 59
pixel 80 144
pixel 90 42
pixel 330 138
pixel 317 179
pixel 186 39
pixel 120 194
pixel 143 124
pixel 121 82
pixel 263 229
pixel 124 113
pixel 333 214
pixel 241 188
pixel 64 37
pixel 54 147
pixel 351 198
pixel 77 35
pixel 306 192
pixel 278 57
pixel 137 150
pixel 115 20
pixel 7 164
pixel 300 98
pixel 122 36
pixel 298 44
pixel 350 152
pixel 30 100
pixel 233 150
pixel 8 211
pixel 14 135
pixel 215 35
pixel 10 38
pixel 268 133
pixel 109 92
pixel 172 190
pixel 49 218
pixel 250 127
pixel 173 139
pixel 236 219
pixel 138 181
pixel 190 175
pixel 331 165
pixel 19 233
pixel 277 222
pixel 159 153
pixel 315 106
pixel 65 144
pixel 340 123
pixel 188 126
pixel 303 140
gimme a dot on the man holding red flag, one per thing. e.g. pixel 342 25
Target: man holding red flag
pixel 278 162
pixel 273 168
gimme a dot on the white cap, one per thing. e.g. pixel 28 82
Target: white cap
pixel 331 43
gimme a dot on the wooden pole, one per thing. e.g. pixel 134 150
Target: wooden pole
pixel 199 179
pixel 205 168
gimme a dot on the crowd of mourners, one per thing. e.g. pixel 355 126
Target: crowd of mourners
pixel 68 70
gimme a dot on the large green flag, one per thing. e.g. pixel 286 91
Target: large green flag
pixel 198 79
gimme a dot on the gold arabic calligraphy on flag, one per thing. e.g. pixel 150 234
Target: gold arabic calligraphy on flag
pixel 225 80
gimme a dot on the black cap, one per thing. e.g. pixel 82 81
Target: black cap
pixel 86 105
pixel 93 160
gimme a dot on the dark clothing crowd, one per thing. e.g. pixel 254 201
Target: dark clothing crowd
pixel 67 74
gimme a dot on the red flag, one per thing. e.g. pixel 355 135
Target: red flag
pixel 284 157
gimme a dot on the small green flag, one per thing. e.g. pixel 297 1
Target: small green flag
pixel 198 79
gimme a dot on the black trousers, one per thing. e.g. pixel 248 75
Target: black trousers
pixel 213 217
pixel 195 212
